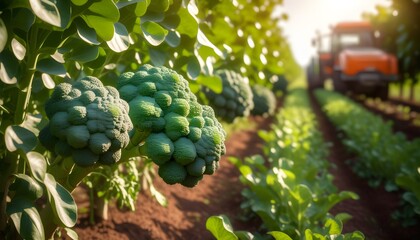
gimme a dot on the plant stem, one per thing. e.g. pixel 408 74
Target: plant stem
pixel 26 82
pixel 76 176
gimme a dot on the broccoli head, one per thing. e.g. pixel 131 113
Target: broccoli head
pixel 177 133
pixel 88 121
pixel 264 101
pixel 235 99
pixel 280 84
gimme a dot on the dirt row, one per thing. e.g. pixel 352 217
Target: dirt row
pixel 400 124
pixel 372 212
pixel 188 209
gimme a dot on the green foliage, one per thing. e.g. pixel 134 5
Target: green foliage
pixel 250 37
pixel 264 101
pixel 44 44
pixel 280 84
pixel 398 26
pixel 221 229
pixel 383 156
pixel 235 100
pixel 290 188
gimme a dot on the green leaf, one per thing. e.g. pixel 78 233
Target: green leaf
pixel 154 33
pixel 220 227
pixel 308 234
pixel 157 57
pixel 244 235
pixel 86 33
pixel 50 66
pixel 9 67
pixel 158 196
pixel 103 27
pixel 173 39
pixel 47 81
pixel 56 13
pixel 18 48
pixel 212 82
pixel 26 188
pixel 334 226
pixel 17 137
pixel 141 7
pixel 188 24
pixel 37 165
pixel 23 19
pixel 125 3
pixel 3 35
pixel 105 9
pixel 27 222
pixel 62 202
pixel 356 235
pixel 22 209
pixel 121 40
pixel 71 233
pixel 79 2
pixel 98 62
pixel 171 21
pixel 82 53
pixel 203 40
pixel 279 235
pixel 193 68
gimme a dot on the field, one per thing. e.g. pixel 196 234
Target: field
pixel 183 119
pixel 395 92
pixel 188 210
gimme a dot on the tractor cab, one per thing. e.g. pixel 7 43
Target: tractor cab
pixel 354 62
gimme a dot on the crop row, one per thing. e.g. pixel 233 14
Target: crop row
pixel 290 188
pixel 383 156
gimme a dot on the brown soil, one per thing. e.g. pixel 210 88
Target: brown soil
pixel 401 122
pixel 188 209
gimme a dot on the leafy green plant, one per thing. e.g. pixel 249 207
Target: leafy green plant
pixel 383 156
pixel 222 229
pixel 265 102
pixel 47 43
pixel 291 190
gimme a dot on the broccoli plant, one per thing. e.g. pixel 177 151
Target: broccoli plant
pixel 235 99
pixel 172 129
pixel 88 122
pixel 264 101
pixel 280 84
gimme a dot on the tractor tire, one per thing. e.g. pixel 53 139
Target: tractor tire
pixel 382 92
pixel 338 84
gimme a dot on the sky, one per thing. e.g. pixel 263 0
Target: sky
pixel 307 16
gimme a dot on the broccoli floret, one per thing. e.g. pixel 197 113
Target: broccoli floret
pixel 172 128
pixel 264 101
pixel 88 121
pixel 235 99
pixel 158 147
pixel 172 172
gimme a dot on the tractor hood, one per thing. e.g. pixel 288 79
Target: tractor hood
pixel 356 60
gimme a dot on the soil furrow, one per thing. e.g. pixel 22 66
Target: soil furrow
pixel 372 212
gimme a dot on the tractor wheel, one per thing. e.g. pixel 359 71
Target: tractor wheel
pixel 382 92
pixel 338 84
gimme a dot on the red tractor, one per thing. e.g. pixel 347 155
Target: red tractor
pixel 349 56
